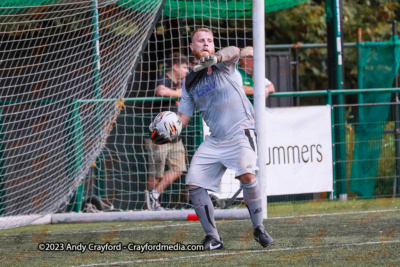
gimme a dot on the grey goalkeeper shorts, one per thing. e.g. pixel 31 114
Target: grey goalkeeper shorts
pixel 213 157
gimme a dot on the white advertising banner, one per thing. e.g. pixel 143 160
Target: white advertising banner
pixel 299 152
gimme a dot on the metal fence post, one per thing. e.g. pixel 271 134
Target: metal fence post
pixel 3 188
pixel 396 182
pixel 330 103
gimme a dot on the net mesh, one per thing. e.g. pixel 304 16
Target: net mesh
pixel 65 67
pixel 121 175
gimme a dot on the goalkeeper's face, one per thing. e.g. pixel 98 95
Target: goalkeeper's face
pixel 203 44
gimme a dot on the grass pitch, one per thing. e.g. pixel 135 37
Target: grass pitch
pixel 328 233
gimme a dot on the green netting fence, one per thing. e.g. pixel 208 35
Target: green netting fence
pixel 378 66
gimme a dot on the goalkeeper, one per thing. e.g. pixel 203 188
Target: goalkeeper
pixel 215 88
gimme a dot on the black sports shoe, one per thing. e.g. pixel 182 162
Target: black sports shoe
pixel 210 243
pixel 262 237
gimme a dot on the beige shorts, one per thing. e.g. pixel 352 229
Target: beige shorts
pixel 172 154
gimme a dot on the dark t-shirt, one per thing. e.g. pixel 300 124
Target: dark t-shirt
pixel 166 105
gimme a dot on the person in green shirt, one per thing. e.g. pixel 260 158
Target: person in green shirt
pixel 246 64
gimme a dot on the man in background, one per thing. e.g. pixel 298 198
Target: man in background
pixel 246 67
pixel 169 84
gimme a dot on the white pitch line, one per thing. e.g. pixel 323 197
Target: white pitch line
pixel 193 223
pixel 240 253
pixel 116 230
pixel 271 218
pixel 332 214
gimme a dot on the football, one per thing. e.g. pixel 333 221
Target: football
pixel 167 123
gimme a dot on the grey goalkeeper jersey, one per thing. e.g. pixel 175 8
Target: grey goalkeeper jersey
pixel 217 93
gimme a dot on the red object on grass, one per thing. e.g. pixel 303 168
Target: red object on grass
pixel 192 217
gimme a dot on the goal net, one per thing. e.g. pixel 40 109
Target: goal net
pixel 78 83
pixel 120 176
pixel 64 71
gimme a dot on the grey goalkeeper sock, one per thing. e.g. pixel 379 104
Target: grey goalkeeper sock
pixel 204 210
pixel 252 199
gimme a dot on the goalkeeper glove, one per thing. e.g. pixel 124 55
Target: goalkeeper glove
pixel 207 61
pixel 157 137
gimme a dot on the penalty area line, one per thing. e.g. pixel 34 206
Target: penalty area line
pixel 269 218
pixel 197 223
pixel 240 253
pixel 333 214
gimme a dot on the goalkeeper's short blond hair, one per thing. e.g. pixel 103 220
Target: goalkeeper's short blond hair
pixel 200 30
